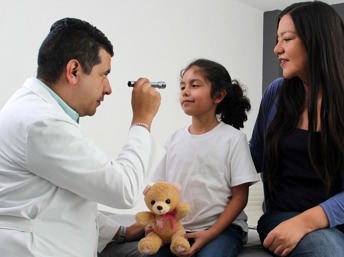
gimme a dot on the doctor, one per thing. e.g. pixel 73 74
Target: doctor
pixel 51 175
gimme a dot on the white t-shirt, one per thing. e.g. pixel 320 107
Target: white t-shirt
pixel 207 166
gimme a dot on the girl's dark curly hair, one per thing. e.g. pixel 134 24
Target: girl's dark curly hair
pixel 233 108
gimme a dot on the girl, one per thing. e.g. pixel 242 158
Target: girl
pixel 211 160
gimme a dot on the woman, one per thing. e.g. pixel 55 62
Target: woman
pixel 298 139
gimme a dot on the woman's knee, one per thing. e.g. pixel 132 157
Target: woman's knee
pixel 323 242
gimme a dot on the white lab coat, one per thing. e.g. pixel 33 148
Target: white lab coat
pixel 52 177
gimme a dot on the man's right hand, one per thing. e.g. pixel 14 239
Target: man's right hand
pixel 145 102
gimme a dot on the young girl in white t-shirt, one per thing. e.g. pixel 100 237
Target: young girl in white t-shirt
pixel 211 160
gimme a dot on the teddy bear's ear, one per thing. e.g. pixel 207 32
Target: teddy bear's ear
pixel 145 191
pixel 177 186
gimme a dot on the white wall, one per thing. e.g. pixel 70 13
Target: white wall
pixel 151 38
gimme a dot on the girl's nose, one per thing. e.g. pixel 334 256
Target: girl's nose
pixel 185 92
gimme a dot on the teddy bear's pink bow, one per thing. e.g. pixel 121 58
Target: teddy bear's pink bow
pixel 171 217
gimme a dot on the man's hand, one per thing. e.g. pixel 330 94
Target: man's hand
pixel 145 102
pixel 135 232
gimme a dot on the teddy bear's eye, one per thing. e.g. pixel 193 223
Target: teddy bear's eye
pixel 152 202
pixel 168 201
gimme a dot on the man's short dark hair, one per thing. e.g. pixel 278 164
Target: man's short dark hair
pixel 68 39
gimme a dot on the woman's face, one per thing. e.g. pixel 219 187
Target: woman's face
pixel 290 50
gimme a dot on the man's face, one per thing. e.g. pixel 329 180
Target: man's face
pixel 94 86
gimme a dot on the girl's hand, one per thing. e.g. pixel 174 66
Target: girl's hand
pixel 200 238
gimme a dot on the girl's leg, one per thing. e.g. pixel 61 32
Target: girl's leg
pixel 227 244
pixel 164 251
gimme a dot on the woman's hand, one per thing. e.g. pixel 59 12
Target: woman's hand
pixel 284 237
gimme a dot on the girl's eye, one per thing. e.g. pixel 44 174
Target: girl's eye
pixel 182 88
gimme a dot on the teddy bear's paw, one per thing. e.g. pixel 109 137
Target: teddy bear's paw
pixel 179 245
pixel 146 250
pixel 180 249
pixel 148 246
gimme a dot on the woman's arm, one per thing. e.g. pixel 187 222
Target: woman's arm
pixel 267 110
pixel 334 209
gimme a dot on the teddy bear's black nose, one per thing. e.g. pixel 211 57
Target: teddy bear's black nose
pixel 159 208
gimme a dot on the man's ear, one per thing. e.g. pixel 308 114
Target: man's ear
pixel 73 68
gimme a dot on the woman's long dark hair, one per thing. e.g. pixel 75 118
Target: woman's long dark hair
pixel 233 108
pixel 321 30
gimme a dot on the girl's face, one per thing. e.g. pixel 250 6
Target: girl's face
pixel 290 50
pixel 195 94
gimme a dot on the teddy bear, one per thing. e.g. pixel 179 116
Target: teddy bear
pixel 165 214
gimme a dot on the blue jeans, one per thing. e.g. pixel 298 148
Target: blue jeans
pixel 327 242
pixel 227 244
